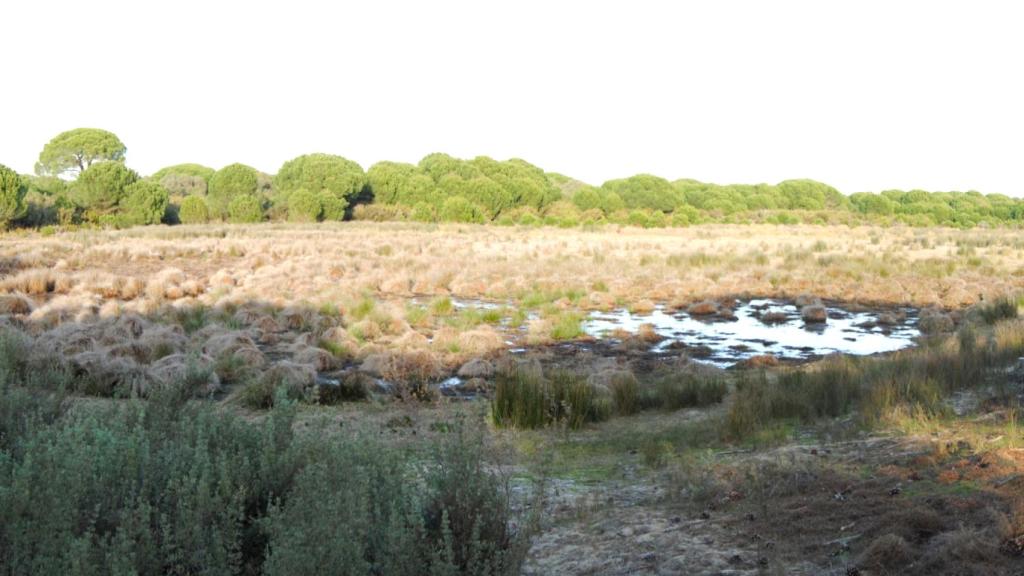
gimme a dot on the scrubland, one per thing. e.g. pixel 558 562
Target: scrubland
pixel 272 388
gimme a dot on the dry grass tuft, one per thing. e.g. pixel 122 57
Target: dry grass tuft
pixel 887 553
pixel 16 304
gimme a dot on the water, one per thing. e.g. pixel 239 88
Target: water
pixel 726 342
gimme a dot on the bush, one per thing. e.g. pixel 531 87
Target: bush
pixel 423 212
pixel 193 210
pixel 169 487
pixel 245 209
pixel 144 203
pixel 458 209
pixel 101 187
pixel 304 206
pixel 318 173
pixel 12 196
pixel 332 208
pixel 380 212
pixel 638 218
pixel 227 184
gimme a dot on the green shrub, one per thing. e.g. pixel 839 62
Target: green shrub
pixel 340 177
pixel 193 210
pixel 567 326
pixel 638 218
pixel 101 187
pixel 12 197
pixel 304 206
pixel 227 184
pixel 144 203
pixel 332 207
pixel 423 212
pixel 458 209
pixel 171 487
pixel 245 209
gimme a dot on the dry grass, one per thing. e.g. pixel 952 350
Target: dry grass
pixel 328 295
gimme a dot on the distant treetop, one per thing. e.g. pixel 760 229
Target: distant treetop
pixel 71 152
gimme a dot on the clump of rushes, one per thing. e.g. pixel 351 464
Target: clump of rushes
pixel 362 309
pixel 683 390
pixel 566 326
pixel 442 306
pixel 911 381
pixel 625 393
pixel 526 399
pixel 1001 309
pixel 417 316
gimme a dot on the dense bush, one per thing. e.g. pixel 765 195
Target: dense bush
pixel 227 184
pixel 304 206
pixel 332 208
pixel 459 209
pixel 321 174
pixel 168 488
pixel 183 185
pixel 644 191
pixel 12 196
pixel 101 187
pixel 204 173
pixel 144 203
pixel 193 210
pixel 444 188
pixel 245 209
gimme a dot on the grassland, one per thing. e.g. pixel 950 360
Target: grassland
pixel 906 463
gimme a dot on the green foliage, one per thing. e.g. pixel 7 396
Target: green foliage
pixel 304 206
pixel 169 487
pixel 184 179
pixel 567 326
pixel 12 196
pixel 101 187
pixel 400 183
pixel 809 195
pixel 193 210
pixel 332 208
pixel 245 209
pixel 423 212
pixel 867 203
pixel 195 170
pixel 74 151
pixel 144 203
pixel 321 174
pixel 442 187
pixel 227 184
pixel 459 209
pixel 645 191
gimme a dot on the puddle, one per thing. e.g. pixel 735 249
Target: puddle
pixel 725 342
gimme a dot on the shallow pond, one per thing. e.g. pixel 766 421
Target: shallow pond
pixel 724 342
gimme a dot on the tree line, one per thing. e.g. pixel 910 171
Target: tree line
pixel 82 178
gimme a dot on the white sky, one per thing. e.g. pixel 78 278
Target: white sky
pixel 864 95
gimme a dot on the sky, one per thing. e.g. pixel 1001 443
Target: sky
pixel 864 95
